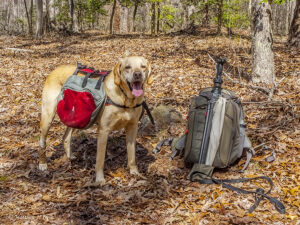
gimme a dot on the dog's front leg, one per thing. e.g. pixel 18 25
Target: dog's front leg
pixel 67 142
pixel 100 158
pixel 131 133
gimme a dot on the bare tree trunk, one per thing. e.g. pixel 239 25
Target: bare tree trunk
pixel 124 20
pixel 158 18
pixel 31 15
pixel 112 17
pixel 117 19
pixel 52 16
pixel 250 7
pixel 12 17
pixel 220 12
pixel 184 16
pixel 39 18
pixel 205 13
pixel 294 33
pixel 145 18
pixel 287 24
pixel 136 4
pixel 72 14
pixel 6 15
pixel 153 18
pixel 28 19
pixel 262 44
pixel 47 25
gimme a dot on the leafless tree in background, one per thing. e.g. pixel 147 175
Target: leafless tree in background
pixel 262 43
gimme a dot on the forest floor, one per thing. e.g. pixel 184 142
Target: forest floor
pixel 182 64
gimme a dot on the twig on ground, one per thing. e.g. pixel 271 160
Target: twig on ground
pixel 19 50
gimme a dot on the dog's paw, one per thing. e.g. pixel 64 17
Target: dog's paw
pixel 134 171
pixel 100 179
pixel 43 166
pixel 71 156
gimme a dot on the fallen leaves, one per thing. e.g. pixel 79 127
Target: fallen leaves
pixel 67 194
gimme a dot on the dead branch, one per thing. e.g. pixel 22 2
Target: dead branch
pixel 19 50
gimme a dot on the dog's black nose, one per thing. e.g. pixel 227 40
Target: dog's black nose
pixel 137 75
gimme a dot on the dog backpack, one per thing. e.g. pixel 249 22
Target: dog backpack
pixel 82 98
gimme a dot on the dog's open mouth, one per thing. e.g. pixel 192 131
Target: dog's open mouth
pixel 137 88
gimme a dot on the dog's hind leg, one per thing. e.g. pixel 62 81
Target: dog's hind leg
pixel 49 102
pixel 67 142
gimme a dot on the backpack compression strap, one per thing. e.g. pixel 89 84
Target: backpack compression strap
pixel 90 71
pixel 259 193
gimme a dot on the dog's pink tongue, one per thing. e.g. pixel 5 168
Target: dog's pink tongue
pixel 137 90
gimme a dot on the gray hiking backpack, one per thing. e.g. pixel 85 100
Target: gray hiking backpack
pixel 227 140
pixel 216 138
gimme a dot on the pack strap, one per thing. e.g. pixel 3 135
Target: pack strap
pixel 87 76
pixel 90 71
pixel 249 153
pixel 145 106
pixel 259 193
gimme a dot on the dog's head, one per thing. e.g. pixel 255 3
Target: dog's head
pixel 131 73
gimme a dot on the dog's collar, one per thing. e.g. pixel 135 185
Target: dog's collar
pixel 110 102
pixel 144 104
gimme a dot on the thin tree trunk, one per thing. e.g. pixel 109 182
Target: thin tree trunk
pixel 124 20
pixel 52 15
pixel 71 14
pixel 28 19
pixel 13 16
pixel 47 25
pixel 136 4
pixel 31 15
pixel 153 18
pixel 294 32
pixel 220 12
pixel 158 18
pixel 117 19
pixel 145 18
pixel 39 18
pixel 205 14
pixel 250 7
pixel 112 17
pixel 262 44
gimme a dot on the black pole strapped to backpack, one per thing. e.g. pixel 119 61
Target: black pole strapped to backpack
pixel 216 92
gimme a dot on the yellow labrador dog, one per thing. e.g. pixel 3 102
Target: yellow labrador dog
pixel 124 86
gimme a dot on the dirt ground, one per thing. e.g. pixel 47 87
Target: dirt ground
pixel 182 65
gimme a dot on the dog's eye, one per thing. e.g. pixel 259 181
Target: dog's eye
pixel 143 66
pixel 127 67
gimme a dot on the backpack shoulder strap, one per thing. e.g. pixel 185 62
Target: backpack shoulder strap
pixel 259 193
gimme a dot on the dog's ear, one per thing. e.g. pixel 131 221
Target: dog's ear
pixel 117 73
pixel 149 76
